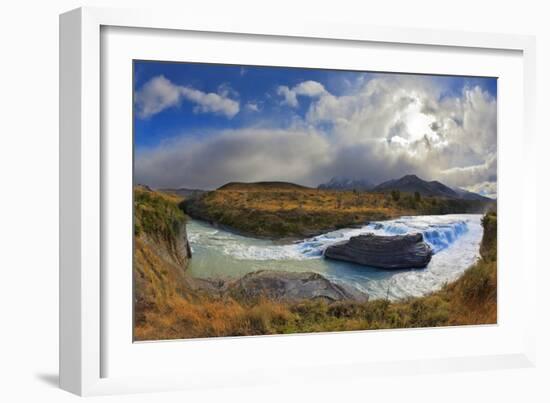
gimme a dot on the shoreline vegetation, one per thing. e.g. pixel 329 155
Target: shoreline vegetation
pixel 170 304
pixel 285 211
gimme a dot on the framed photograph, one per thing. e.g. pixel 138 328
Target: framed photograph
pixel 236 199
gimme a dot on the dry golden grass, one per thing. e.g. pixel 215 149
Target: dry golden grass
pixel 280 213
pixel 211 318
pixel 285 210
pixel 207 316
pixel 308 200
pixel 157 281
pixel 167 305
pixel 165 195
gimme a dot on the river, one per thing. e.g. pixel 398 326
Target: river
pixel 454 238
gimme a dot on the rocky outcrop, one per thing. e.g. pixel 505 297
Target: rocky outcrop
pixel 385 252
pixel 176 250
pixel 182 245
pixel 159 266
pixel 161 252
pixel 290 286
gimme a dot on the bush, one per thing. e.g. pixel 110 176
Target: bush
pixel 429 311
pixel 488 248
pixel 478 282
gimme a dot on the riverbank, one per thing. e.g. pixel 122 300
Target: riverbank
pixel 277 210
pixel 191 308
pixel 220 254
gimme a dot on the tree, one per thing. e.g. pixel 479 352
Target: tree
pixel 396 195
pixel 416 197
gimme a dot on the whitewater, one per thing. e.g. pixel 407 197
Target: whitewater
pixel 454 238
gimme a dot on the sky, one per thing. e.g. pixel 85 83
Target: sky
pixel 203 125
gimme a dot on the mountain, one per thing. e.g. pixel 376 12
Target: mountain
pixel 412 183
pixel 183 192
pixel 343 183
pixel 271 185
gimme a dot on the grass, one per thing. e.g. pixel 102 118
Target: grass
pixel 159 258
pixel 157 214
pixel 281 210
pixel 176 311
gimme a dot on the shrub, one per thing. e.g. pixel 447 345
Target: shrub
pixel 488 248
pixel 396 195
pixel 429 311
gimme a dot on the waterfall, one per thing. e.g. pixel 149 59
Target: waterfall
pixel 454 238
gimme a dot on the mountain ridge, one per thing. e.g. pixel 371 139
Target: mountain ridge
pixel 412 183
pixel 182 192
pixel 262 185
pixel 344 183
pixel 408 183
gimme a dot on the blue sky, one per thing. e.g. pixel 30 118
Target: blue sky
pixel 408 117
pixel 256 85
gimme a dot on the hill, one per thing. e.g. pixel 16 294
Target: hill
pixel 278 210
pixel 343 183
pixel 182 192
pixel 271 185
pixel 285 210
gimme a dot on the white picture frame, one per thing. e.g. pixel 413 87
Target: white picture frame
pixel 83 173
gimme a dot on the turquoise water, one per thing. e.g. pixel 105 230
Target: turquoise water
pixel 455 239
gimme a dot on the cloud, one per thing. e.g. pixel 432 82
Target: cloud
pixel 210 102
pixel 380 128
pixel 225 90
pixel 289 96
pixel 450 138
pixel 252 107
pixel 159 94
pixel 488 189
pixel 156 95
pixel 473 174
pixel 307 88
pixel 246 155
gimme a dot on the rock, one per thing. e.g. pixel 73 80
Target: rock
pixel 290 286
pixel 385 252
pixel 176 251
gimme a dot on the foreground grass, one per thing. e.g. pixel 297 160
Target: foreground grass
pixel 282 210
pixel 156 214
pixel 182 313
pixel 159 258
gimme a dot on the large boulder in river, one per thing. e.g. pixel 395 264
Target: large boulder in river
pixel 290 286
pixel 385 252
